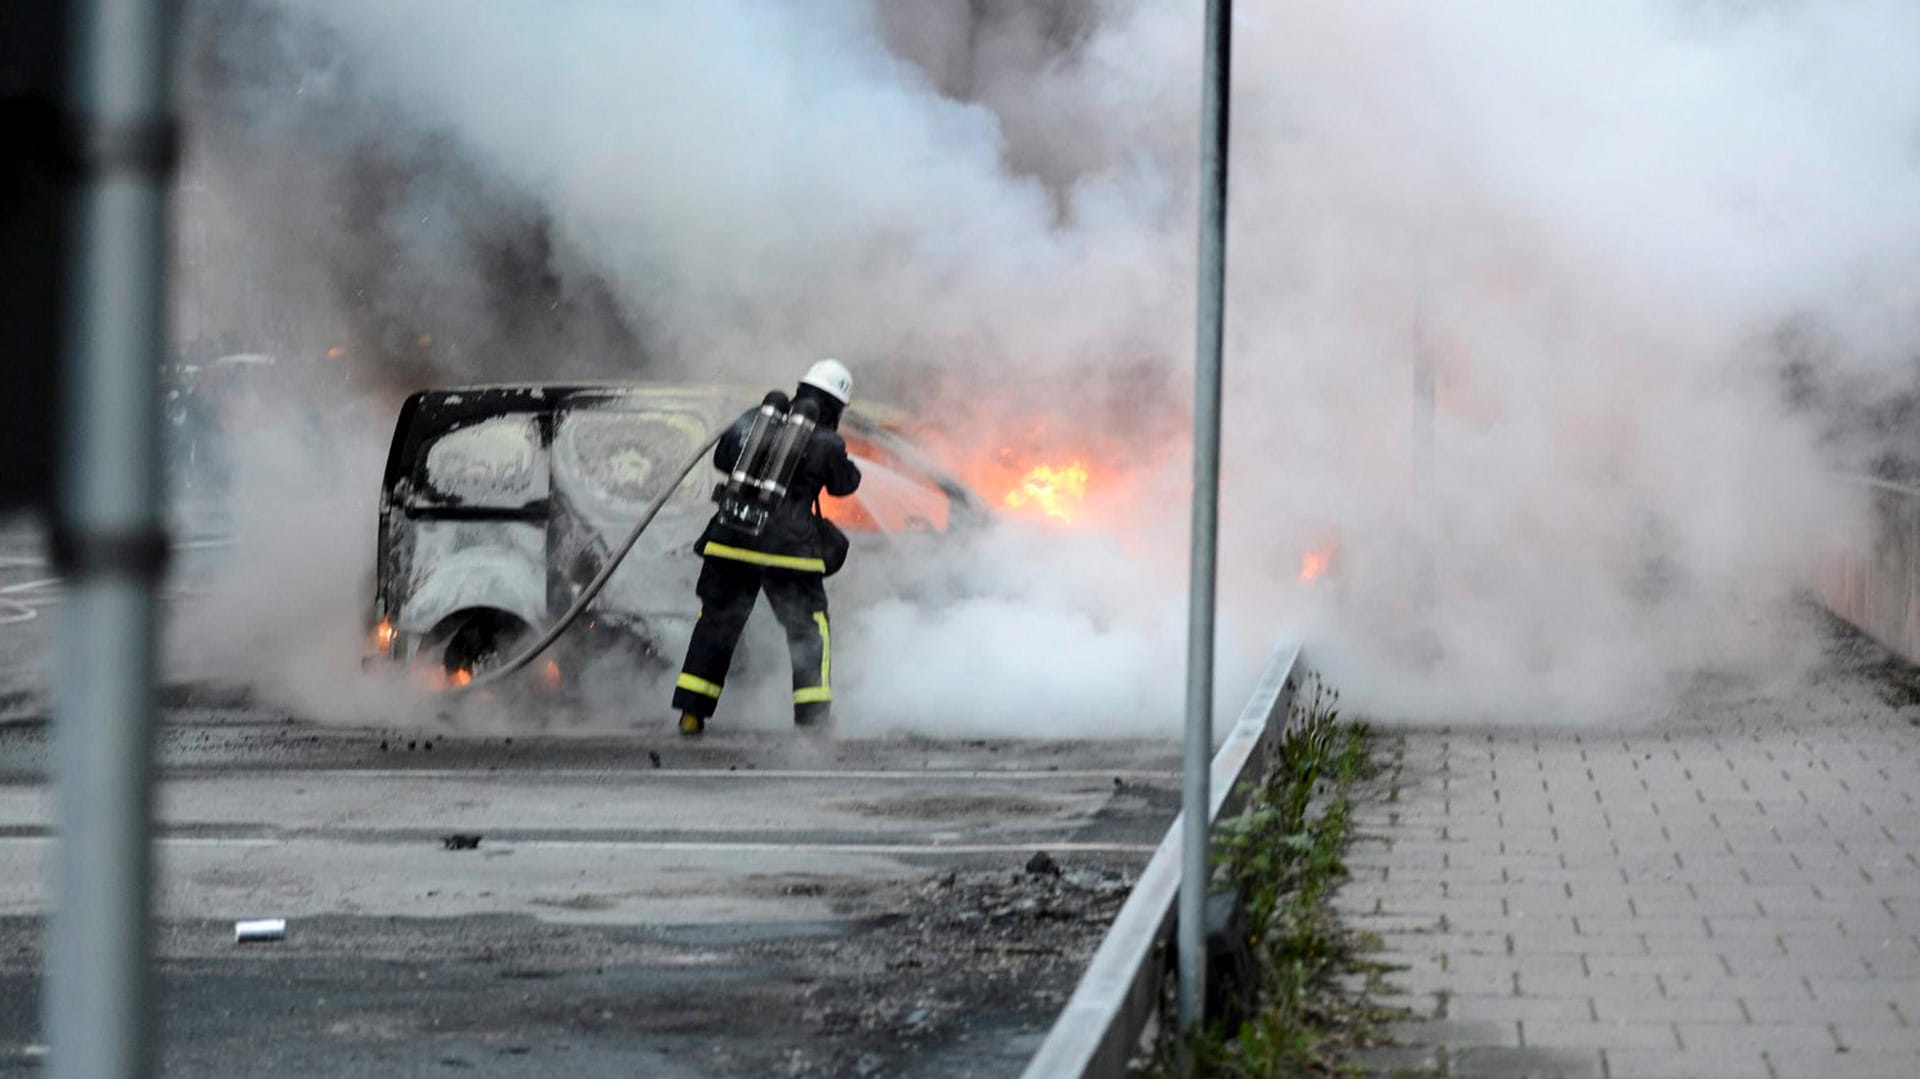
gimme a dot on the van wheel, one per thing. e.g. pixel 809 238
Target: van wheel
pixel 483 640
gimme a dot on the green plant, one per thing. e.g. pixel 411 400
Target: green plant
pixel 1284 852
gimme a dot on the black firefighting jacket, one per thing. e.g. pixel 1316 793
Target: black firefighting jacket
pixel 794 537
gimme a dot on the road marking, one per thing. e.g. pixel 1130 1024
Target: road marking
pixel 15 611
pixel 195 773
pixel 660 846
pixel 683 847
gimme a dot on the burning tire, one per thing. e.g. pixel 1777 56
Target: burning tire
pixel 473 642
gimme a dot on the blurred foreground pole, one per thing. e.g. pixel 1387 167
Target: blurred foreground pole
pixel 119 142
pixel 1195 847
pixel 1425 385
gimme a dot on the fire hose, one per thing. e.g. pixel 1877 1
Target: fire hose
pixel 592 591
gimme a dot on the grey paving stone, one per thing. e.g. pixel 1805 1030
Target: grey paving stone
pixel 1841 962
pixel 1525 1064
pixel 1822 1012
pixel 1667 966
pixel 1530 943
pixel 1747 925
pixel 1645 926
pixel 1880 1038
pixel 1599 1035
pixel 1592 988
pixel 1743 878
pixel 1500 926
pixel 1663 1064
pixel 1453 1033
pixel 1667 1009
pixel 1738 988
pixel 1735 1038
pixel 1554 967
pixel 1836 1065
pixel 1398 1060
pixel 1873 990
pixel 1713 946
pixel 1425 978
pixel 1518 1009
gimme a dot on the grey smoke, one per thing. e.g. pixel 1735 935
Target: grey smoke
pixel 1593 220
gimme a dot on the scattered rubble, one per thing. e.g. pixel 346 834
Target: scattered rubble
pixel 958 945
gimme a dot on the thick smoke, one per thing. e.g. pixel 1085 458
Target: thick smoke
pixel 1606 230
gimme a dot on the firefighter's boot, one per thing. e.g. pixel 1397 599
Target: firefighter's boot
pixel 813 716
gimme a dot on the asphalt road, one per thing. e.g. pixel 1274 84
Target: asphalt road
pixel 748 905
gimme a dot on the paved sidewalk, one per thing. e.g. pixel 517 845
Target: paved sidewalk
pixel 1734 892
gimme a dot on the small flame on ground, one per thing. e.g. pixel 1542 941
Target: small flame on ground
pixel 1314 564
pixel 552 671
pixel 1056 492
pixel 462 677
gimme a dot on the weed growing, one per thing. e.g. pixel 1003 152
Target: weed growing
pixel 1284 854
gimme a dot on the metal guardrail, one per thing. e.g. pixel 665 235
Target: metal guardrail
pixel 1100 1027
pixel 1874 582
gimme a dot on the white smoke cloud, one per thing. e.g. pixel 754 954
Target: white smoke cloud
pixel 1590 219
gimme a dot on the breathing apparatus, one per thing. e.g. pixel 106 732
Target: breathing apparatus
pixel 763 472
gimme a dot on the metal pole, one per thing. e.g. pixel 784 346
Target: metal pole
pixel 107 538
pixel 1424 387
pixel 1195 846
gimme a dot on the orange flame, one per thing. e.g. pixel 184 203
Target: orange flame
pixel 1055 492
pixel 1314 564
pixel 462 677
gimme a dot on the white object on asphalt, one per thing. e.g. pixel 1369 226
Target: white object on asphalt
pixel 259 929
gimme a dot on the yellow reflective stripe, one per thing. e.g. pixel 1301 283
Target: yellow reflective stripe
pixel 823 691
pixel 760 558
pixel 696 684
pixel 826 648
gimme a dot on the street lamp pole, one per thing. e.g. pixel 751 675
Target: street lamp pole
pixel 1195 841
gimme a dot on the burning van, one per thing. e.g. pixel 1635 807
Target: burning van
pixel 499 504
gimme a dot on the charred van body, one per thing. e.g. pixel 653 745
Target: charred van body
pixel 500 503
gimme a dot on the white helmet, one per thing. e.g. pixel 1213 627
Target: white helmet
pixel 832 378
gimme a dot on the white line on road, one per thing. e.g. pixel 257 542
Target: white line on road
pixel 663 846
pixel 908 775
pixel 15 611
pixel 681 847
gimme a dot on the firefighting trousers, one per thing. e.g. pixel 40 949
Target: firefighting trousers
pixel 727 591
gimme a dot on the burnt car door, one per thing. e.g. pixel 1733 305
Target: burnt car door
pixel 614 452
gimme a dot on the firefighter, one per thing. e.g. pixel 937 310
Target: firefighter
pixel 788 559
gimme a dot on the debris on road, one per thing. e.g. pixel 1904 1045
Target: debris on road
pixel 952 948
pixel 259 929
pixel 460 841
